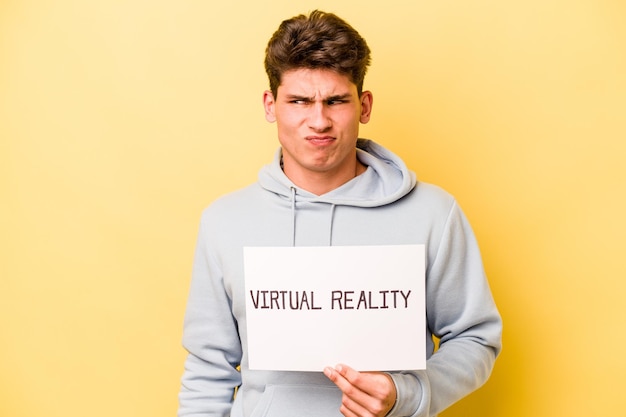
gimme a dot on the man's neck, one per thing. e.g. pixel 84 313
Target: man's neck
pixel 323 182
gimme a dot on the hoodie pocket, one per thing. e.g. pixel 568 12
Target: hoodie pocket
pixel 299 401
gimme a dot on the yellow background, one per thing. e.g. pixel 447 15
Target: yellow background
pixel 121 120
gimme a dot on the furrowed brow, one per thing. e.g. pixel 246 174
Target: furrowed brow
pixel 291 97
pixel 339 97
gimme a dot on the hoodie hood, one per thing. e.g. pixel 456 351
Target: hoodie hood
pixel 386 180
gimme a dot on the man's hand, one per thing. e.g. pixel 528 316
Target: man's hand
pixel 365 394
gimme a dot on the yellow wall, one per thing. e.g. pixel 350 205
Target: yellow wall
pixel 121 120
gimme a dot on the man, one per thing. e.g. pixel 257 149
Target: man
pixel 327 187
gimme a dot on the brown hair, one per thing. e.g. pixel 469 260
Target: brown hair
pixel 318 41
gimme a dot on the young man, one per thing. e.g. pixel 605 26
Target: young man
pixel 326 187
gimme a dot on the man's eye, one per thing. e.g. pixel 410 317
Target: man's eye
pixel 333 102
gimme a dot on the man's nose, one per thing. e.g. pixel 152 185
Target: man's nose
pixel 319 118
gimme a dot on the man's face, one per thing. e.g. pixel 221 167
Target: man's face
pixel 317 112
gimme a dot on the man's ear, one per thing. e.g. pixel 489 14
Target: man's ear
pixel 269 104
pixel 367 101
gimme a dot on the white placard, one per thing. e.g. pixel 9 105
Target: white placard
pixel 312 307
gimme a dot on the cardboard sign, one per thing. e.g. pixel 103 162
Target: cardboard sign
pixel 312 307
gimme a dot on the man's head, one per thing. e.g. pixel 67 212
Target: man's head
pixel 318 41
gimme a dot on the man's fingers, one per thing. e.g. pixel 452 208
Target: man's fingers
pixel 365 393
pixel 344 377
pixel 352 396
pixel 375 384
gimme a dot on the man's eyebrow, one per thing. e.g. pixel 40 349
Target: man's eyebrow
pixel 329 98
pixel 339 97
pixel 298 97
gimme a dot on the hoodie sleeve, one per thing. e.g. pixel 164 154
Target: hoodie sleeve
pixel 211 338
pixel 461 312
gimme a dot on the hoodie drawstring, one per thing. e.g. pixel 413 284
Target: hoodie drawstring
pixel 293 220
pixel 293 216
pixel 330 231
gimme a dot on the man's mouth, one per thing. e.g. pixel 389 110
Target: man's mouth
pixel 320 140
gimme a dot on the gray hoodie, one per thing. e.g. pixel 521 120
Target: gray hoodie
pixel 383 206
